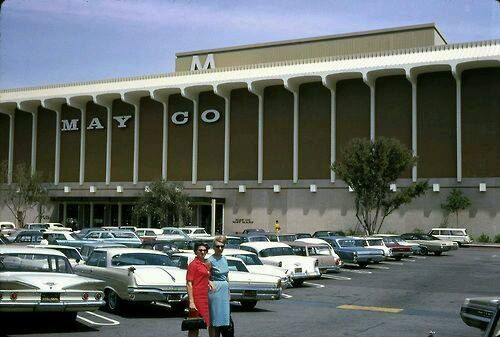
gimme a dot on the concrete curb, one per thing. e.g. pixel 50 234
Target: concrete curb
pixel 482 245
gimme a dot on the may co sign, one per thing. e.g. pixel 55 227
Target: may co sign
pixel 94 124
pixel 207 116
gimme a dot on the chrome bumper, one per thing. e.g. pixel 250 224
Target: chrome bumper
pixel 37 306
pixel 156 295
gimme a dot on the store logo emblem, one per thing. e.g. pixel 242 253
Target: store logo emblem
pixel 209 63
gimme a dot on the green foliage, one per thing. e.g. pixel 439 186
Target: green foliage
pixel 497 238
pixel 25 193
pixel 483 238
pixel 165 202
pixel 369 168
pixel 455 202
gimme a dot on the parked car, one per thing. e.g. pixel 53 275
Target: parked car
pixel 254 237
pixel 88 247
pixel 244 286
pixel 373 242
pixel 174 233
pixel 353 251
pixel 127 238
pixel 7 228
pixel 416 249
pixel 279 254
pixel 195 232
pixel 56 236
pixel 28 237
pixel 148 234
pixel 478 311
pixel 54 226
pixel 3 240
pixel 255 265
pixel 431 244
pixel 398 250
pixel 320 234
pixel 233 241
pixel 328 260
pixel 166 246
pixel 73 254
pixel 135 275
pixel 458 235
pixel 493 329
pixel 253 230
pixel 37 279
pixel 287 237
pixel 303 235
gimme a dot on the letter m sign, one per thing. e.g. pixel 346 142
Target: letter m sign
pixel 209 62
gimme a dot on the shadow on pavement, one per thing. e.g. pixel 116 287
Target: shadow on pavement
pixel 38 323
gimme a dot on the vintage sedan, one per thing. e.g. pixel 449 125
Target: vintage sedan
pixel 124 237
pixel 398 250
pixel 195 232
pixel 73 254
pixel 430 243
pixel 352 250
pixel 478 311
pixel 391 250
pixel 244 286
pixel 280 254
pixel 328 260
pixel 7 228
pixel 42 280
pixel 134 275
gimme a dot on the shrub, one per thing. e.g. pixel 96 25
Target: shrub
pixel 418 230
pixel 483 238
pixel 497 238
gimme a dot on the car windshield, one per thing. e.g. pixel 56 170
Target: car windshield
pixel 276 251
pixel 287 237
pixel 124 235
pixel 350 243
pixel 141 259
pixel 374 242
pixel 426 237
pixel 70 253
pixel 250 259
pixel 47 263
pixel 235 265
pixel 257 238
pixel 186 231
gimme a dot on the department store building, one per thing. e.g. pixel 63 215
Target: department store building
pixel 251 131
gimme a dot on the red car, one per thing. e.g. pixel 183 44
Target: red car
pixel 398 251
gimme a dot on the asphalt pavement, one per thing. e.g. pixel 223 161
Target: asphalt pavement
pixel 411 298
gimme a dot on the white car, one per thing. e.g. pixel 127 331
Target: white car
pixel 135 275
pixel 374 242
pixel 7 228
pixel 245 286
pixel 38 279
pixel 73 254
pixel 175 233
pixel 281 255
pixel 321 241
pixel 195 232
pixel 255 265
pixel 458 235
pixel 43 226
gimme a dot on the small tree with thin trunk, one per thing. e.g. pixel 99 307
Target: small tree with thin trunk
pixel 25 193
pixel 164 202
pixel 369 168
pixel 455 202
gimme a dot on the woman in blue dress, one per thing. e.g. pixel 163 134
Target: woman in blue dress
pixel 218 297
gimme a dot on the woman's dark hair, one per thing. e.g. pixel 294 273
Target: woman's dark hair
pixel 198 245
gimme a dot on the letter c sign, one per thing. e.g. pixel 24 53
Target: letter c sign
pixel 180 117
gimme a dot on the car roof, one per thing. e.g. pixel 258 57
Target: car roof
pixel 102 244
pixel 27 250
pixel 230 251
pixel 312 240
pixel 259 245
pixel 306 244
pixel 125 250
pixel 52 247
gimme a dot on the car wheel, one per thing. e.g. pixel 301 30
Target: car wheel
pixel 362 264
pixel 424 251
pixel 398 258
pixel 297 283
pixel 248 305
pixel 113 301
pixel 437 253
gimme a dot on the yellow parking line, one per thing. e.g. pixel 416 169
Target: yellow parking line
pixel 366 308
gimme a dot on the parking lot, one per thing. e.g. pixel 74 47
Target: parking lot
pixel 408 298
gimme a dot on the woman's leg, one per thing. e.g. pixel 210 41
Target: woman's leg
pixel 193 333
pixel 213 331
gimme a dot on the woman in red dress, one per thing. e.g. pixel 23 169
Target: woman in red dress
pixel 197 279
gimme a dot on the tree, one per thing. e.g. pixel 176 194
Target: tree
pixel 455 202
pixel 164 202
pixel 25 193
pixel 369 168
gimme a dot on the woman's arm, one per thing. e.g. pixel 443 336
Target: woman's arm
pixel 189 286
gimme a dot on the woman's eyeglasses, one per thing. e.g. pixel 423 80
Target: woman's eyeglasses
pixel 202 250
pixel 219 246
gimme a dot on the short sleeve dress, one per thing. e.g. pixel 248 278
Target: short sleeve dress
pixel 219 297
pixel 199 273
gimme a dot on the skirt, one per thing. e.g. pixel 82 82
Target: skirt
pixel 219 303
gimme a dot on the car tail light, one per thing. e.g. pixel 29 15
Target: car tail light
pixel 98 296
pixel 280 264
pixel 337 262
pixel 13 296
pixel 85 296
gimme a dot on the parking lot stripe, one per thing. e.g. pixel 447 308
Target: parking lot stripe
pixel 286 295
pixel 112 321
pixel 419 257
pixel 334 277
pixel 357 271
pixel 396 263
pixel 314 284
pixel 367 308
pixel 378 267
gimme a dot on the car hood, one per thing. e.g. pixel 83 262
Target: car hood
pixel 251 278
pixel 158 275
pixel 50 281
pixel 268 270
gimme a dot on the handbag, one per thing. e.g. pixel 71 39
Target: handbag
pixel 228 330
pixel 193 322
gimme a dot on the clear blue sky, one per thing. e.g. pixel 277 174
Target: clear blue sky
pixel 58 41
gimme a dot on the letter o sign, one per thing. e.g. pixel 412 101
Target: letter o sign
pixel 180 117
pixel 210 116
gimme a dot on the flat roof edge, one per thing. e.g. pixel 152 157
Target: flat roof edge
pixel 312 39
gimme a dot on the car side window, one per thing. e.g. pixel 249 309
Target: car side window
pixel 97 259
pixel 106 236
pixel 248 249
pixel 299 251
pixel 94 235
pixel 457 233
pixel 435 232
pixel 445 232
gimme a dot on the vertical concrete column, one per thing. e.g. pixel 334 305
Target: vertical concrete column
pixel 212 223
pixel 91 220
pixel 134 98
pixel 259 92
pixel 193 95
pixel 149 221
pixel 106 100
pixel 119 214
pixel 32 108
pixel 293 87
pixel 413 80
pixel 55 104
pixel 370 81
pixel 9 109
pixel 225 93
pixel 65 212
pixel 458 78
pixel 331 84
pixel 80 102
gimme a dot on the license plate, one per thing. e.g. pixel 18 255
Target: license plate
pixel 51 297
pixel 250 293
pixel 298 270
